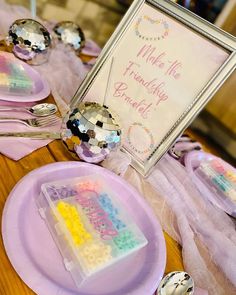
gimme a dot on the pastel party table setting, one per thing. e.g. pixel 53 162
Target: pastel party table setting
pixel 25 95
pixel 100 193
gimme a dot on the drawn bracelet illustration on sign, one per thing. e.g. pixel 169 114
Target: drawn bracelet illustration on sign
pixel 157 22
pixel 147 132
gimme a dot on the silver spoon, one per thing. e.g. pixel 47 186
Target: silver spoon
pixel 176 283
pixel 38 110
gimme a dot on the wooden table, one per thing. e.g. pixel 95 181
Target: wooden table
pixel 11 173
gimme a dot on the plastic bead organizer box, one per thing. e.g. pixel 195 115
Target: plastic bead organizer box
pixel 89 225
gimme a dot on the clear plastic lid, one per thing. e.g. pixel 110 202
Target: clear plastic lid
pixel 89 224
pixel 13 77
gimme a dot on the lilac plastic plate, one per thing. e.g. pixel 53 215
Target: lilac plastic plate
pixel 37 260
pixel 41 90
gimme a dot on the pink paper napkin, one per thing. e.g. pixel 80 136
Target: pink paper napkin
pixel 17 148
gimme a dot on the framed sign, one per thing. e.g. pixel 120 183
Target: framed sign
pixel 166 65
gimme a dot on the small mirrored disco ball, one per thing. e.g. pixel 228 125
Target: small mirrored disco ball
pixel 91 132
pixel 70 34
pixel 30 41
pixel 177 282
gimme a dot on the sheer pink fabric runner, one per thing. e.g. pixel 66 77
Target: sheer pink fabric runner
pixel 207 234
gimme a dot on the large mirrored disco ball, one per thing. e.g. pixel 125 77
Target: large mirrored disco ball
pixel 91 132
pixel 70 34
pixel 30 40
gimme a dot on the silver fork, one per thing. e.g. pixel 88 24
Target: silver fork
pixel 34 122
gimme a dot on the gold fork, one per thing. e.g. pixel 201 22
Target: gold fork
pixel 34 122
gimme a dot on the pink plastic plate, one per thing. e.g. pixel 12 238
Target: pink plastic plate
pixel 37 260
pixel 41 90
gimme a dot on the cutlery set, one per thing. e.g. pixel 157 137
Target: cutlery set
pixel 38 110
pixel 33 122
pixel 44 114
pixel 32 134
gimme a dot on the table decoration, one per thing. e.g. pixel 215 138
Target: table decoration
pixel 162 77
pixel 90 224
pixel 215 177
pixel 96 127
pixel 91 132
pixel 13 78
pixel 19 82
pixel 33 8
pixel 18 148
pixel 176 283
pixel 62 80
pixel 30 40
pixel 38 110
pixel 70 34
pixel 183 146
pixel 206 233
pixel 35 256
pixel 33 122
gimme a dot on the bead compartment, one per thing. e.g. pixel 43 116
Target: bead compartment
pixel 89 224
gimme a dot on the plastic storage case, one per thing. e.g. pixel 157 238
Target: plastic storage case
pixel 89 225
pixel 219 177
pixel 215 178
pixel 13 77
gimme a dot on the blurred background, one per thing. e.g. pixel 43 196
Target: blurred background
pixel 99 18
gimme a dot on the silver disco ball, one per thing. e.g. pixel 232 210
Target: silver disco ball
pixel 176 282
pixel 30 40
pixel 91 132
pixel 70 34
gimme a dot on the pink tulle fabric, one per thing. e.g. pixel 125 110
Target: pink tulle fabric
pixel 206 233
pixel 64 72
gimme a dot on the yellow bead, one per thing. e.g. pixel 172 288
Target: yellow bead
pixel 86 251
pixel 90 258
pixel 69 223
pixel 76 240
pixel 87 236
pixel 73 222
